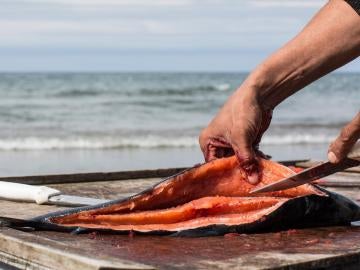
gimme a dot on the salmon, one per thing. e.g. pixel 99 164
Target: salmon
pixel 212 199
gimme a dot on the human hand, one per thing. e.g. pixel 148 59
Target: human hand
pixel 237 129
pixel 342 145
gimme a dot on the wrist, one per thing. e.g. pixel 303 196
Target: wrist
pixel 254 91
pixel 249 97
pixel 273 81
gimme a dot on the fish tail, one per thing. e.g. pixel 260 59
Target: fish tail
pixel 27 225
pixel 16 223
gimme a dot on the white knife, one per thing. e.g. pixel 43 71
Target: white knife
pixel 42 195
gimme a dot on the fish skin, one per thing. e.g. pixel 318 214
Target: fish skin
pixel 299 212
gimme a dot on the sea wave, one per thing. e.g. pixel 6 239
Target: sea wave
pixel 37 143
pixel 149 91
pixel 188 90
pixel 73 93
pixel 223 87
pixel 296 139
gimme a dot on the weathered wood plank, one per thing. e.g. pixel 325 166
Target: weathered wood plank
pixel 30 251
pixel 25 210
pixel 311 163
pixel 91 177
pixel 294 249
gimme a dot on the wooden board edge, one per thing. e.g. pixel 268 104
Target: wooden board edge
pixel 91 177
pixel 310 163
pixel 26 251
pixel 350 261
pixel 108 176
pixel 20 263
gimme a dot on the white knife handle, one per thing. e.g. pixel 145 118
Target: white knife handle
pixel 26 193
pixel 355 152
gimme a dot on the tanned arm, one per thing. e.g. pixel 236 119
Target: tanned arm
pixel 330 40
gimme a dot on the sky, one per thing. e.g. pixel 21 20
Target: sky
pixel 147 35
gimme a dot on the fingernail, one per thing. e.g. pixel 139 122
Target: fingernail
pixel 253 178
pixel 332 157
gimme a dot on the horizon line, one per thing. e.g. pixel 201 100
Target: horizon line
pixel 146 71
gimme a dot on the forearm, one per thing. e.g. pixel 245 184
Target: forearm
pixel 330 40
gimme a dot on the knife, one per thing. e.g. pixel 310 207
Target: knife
pixel 42 195
pixel 313 173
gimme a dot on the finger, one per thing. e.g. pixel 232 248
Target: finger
pixel 211 153
pixel 342 145
pixel 204 141
pixel 247 159
pixel 253 174
pixel 217 148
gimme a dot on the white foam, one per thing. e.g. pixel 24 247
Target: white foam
pixel 38 143
pixel 296 139
pixel 223 87
pixel 34 143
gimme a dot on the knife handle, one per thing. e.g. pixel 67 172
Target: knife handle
pixel 355 152
pixel 26 193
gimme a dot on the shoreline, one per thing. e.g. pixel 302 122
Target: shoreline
pixel 40 162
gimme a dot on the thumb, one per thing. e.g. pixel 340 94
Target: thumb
pixel 339 149
pixel 342 145
pixel 247 159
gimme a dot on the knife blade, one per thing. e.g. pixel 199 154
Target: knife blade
pixel 70 200
pixel 42 195
pixel 307 176
pixel 314 173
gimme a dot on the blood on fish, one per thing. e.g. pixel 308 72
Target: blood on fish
pixel 131 234
pixel 93 235
pixel 231 235
pixel 291 231
pixel 312 241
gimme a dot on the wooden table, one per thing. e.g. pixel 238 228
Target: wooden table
pixel 319 248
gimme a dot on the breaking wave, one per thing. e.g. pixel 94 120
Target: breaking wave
pixel 186 90
pixel 37 143
pixel 190 90
pixel 296 139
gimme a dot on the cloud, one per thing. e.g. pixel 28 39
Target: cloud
pixel 103 3
pixel 175 3
pixel 109 27
pixel 145 33
pixel 289 3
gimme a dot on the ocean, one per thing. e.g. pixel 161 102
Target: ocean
pixel 87 122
